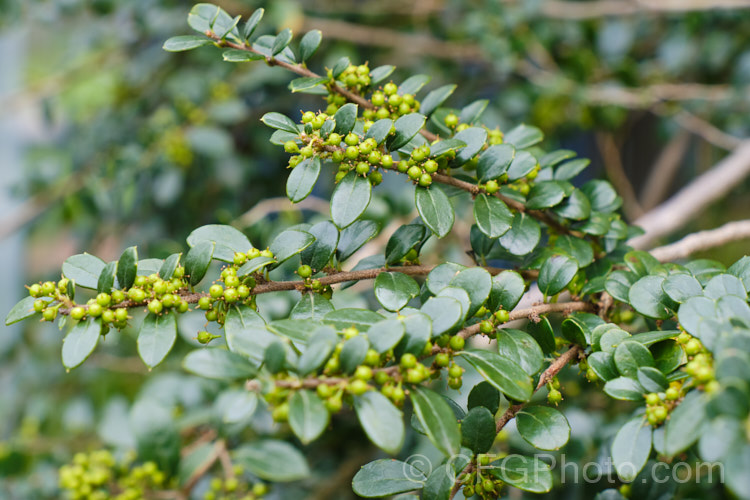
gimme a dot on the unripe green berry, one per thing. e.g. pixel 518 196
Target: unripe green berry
pixel 502 316
pixel 491 187
pixel 451 120
pixel 457 343
pixel 455 383
pixel 39 305
pixel 414 173
pixel 414 376
pixel 95 310
pixel 77 313
pixel 48 288
pixel 308 116
pixel 425 180
pixel 375 178
pixel 324 391
pixel 49 314
pixel 554 396
pixel 351 139
pixel 232 281
pixel 35 290
pixel 372 358
pixel 653 399
pixel 430 166
pixel 442 359
pixel 216 291
pixel 408 360
pixel 212 315
pixel 672 394
pixel 231 295
pixel 205 303
pixel 108 316
pixel 291 147
pixel 455 371
pixel 204 337
pixel 374 157
pixel 362 168
pixel 363 372
pixel 684 338
pixel 334 139
pixel 390 88
pixel 357 387
pixel 136 295
pixel 121 314
pixel 377 99
pixel 155 306
pixel 386 161
pixel 486 327
pixel 693 347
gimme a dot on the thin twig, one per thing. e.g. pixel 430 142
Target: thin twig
pixel 703 240
pixel 616 173
pixel 579 11
pixel 656 186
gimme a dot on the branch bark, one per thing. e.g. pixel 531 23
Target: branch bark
pixel 703 240
pixel 691 200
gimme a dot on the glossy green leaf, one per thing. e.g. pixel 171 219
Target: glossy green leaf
pixel 23 309
pixel 668 356
pixel 543 427
pixel 320 347
pixel 80 342
pixel 618 284
pixel 282 41
pixel 84 269
pixel 680 287
pixel 273 460
pixel 523 136
pixel 406 127
pixel 353 353
pixel 507 289
pixel 395 290
pixel 437 420
pixel 602 196
pixel 652 379
pixel 380 73
pixel 641 263
pixel 345 118
pixel 156 338
pixel 471 112
pixel 167 269
pixel 478 430
pixel 227 239
pixel 603 364
pixel 545 194
pixel 725 284
pixel 127 267
pixel 647 297
pixel 435 98
pixel 309 44
pixel 417 331
pixel 308 416
pixel 577 248
pixel 523 236
pixel 486 395
pixel 302 179
pixel 106 281
pixel 404 239
pixel 237 55
pixel 349 200
pixel 413 84
pixel 630 356
pixel 631 448
pixel 575 207
pixel 289 243
pixel 501 372
pixel 216 363
pixel 197 261
pixel 741 269
pixel 522 348
pixel 385 477
pixel 523 163
pixel 686 423
pixel 543 334
pixel 185 42
pixel 320 252
pixel 477 282
pixel 571 169
pixel 382 422
pixel 385 334
pixel 354 237
pixel 475 139
pixel 524 473
pixel 624 388
pixel 445 312
pixel 494 161
pixel 362 319
pixel 556 273
pixel 435 209
pixel 493 217
pixel 252 22
pixel 280 122
pixel 444 146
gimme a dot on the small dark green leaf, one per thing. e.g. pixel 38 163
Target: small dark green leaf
pixel 477 282
pixel 309 44
pixel 647 297
pixel 382 422
pixel 507 289
pixel 302 179
pixel 353 353
pixel 668 356
pixel 395 290
pixel 445 312
pixel 167 269
pixel 254 265
pixel 686 423
pixel 630 356
pixel 80 342
pixel 610 339
pixel 380 130
pixel 405 238
pixel 618 284
pixel 543 427
pixel 523 163
pixel 631 448
pixel 345 118
pixel 575 207
pixel 543 334
pixel 406 128
pixel 156 338
pixel 475 138
pixel 349 200
pixel 23 309
pixel 308 416
pixel 354 237
pixel 413 84
pixel 361 319
pixel 437 420
pixel 545 194
pixel 380 73
pixel 384 335
pixel 218 363
pixel 493 217
pixel 252 22
pixel 524 473
pixel 624 388
pixel 418 330
pixel 556 273
pixel 502 373
pixel 246 333
pixel 185 42
pixel 127 267
pixel 107 278
pixel 523 136
pixel 280 122
pixel 680 287
pixel 486 395
pixel 322 343
pixel 494 161
pixel 602 196
pixel 577 248
pixel 523 236
pixel 652 379
pixel 84 269
pixel 273 460
pixel 281 41
pixel 307 83
pixel 603 364
pixel 289 243
pixel 553 158
pixel 237 55
pixel 322 249
pixel 227 239
pixel 197 260
pixel 570 169
pixel 385 477
pixel 435 98
pixel 725 284
pixel 522 348
pixel 472 112
pixel 478 430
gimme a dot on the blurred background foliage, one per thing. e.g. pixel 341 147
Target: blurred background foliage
pixel 109 141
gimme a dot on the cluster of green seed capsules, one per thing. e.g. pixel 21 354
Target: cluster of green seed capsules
pixel 233 289
pixel 481 484
pixel 701 364
pixel 388 103
pixel 232 488
pixel 660 404
pixel 96 476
